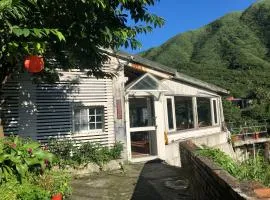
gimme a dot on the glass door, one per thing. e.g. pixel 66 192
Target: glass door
pixel 142 127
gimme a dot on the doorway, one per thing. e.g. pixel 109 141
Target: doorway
pixel 142 126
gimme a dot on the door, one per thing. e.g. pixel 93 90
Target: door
pixel 142 127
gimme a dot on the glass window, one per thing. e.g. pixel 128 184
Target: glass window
pixel 141 112
pixel 146 83
pixel 170 113
pixel 88 118
pixel 215 111
pixel 184 113
pixel 204 112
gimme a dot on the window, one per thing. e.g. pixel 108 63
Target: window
pixel 146 82
pixel 184 113
pixel 204 112
pixel 215 112
pixel 181 112
pixel 141 112
pixel 88 118
pixel 170 113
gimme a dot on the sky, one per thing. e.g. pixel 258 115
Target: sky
pixel 186 15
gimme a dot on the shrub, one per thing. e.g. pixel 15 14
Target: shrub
pixel 252 169
pixel 19 156
pixel 222 159
pixel 30 191
pixel 25 171
pixel 71 153
pixel 55 181
pixel 13 190
pixel 117 150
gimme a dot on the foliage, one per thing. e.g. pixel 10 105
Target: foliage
pixel 54 181
pixel 222 159
pixel 71 153
pixel 231 52
pixel 252 169
pixel 63 149
pixel 70 31
pixel 26 171
pixel 20 36
pixel 31 191
pixel 231 112
pixel 20 156
pixel 40 187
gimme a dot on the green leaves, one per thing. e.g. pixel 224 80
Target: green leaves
pixel 252 169
pixel 37 33
pixel 21 156
pixel 70 31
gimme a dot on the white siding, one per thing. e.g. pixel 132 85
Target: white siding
pixel 45 110
pixel 10 110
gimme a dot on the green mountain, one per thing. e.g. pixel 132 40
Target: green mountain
pixel 232 52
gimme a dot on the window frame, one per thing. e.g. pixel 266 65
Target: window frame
pixel 88 118
pixel 195 113
pixel 213 112
pixel 193 116
pixel 173 114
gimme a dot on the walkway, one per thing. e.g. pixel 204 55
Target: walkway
pixel 152 181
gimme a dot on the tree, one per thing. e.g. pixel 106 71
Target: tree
pixel 70 30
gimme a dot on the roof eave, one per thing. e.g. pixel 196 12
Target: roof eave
pixel 176 75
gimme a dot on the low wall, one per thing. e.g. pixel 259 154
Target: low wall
pixel 218 140
pixel 93 168
pixel 210 182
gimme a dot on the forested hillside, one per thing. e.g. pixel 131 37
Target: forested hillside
pixel 232 52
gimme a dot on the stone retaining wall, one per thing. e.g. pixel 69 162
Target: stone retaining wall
pixel 210 182
pixel 93 168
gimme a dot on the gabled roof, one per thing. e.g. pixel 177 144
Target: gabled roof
pixel 168 70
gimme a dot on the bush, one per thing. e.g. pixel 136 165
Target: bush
pixel 55 181
pixel 25 171
pixel 252 169
pixel 20 156
pixel 222 159
pixel 70 153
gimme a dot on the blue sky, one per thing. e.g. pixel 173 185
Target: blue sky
pixel 185 15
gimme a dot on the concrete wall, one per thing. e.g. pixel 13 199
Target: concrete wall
pixel 218 140
pixel 172 154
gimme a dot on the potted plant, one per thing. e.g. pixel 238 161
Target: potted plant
pixel 256 132
pixel 61 187
pixel 236 137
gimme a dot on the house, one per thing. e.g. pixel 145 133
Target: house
pixel 147 106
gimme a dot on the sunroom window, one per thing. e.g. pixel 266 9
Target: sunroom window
pixel 191 112
pixel 170 113
pixel 204 112
pixel 141 112
pixel 88 118
pixel 184 113
pixel 215 112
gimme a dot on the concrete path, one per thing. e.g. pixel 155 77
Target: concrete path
pixel 152 181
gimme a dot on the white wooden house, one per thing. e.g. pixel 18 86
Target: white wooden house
pixel 147 106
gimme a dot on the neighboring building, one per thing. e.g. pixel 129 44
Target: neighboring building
pixel 242 103
pixel 147 106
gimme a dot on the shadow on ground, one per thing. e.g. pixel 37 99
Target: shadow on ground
pixel 159 180
pixel 153 180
